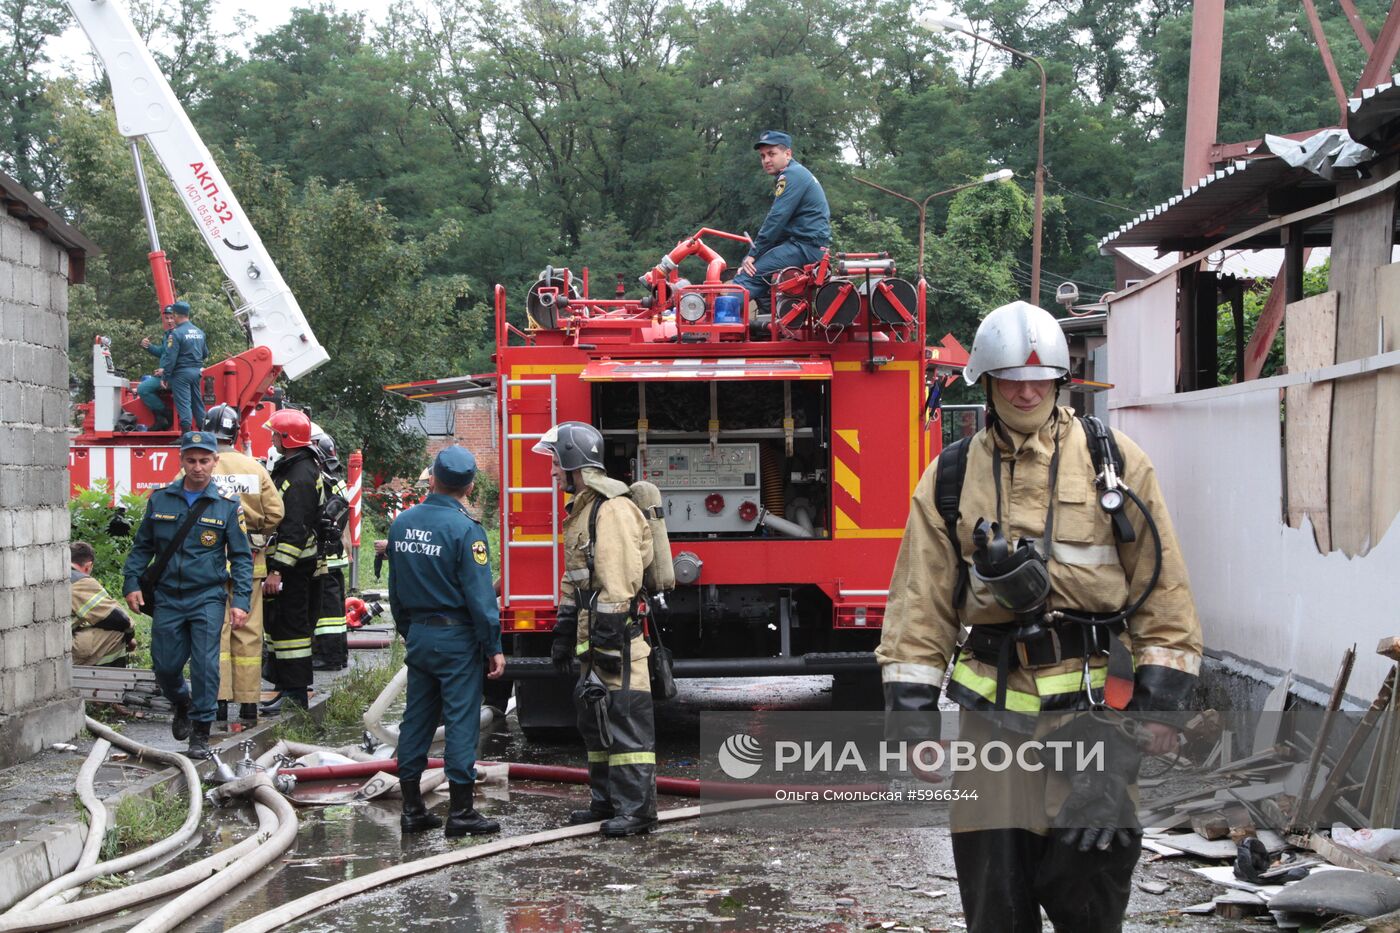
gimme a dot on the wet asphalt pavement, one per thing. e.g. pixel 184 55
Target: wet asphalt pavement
pixel 761 873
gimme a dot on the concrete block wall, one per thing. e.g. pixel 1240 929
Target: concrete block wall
pixel 37 703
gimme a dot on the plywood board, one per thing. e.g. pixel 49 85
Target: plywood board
pixel 1361 239
pixel 1310 342
pixel 1385 493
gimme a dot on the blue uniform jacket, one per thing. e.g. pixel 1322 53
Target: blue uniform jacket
pixel 215 550
pixel 440 564
pixel 799 212
pixel 184 349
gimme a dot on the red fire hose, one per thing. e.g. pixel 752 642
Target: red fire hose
pixel 676 787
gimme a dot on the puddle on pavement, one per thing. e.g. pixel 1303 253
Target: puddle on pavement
pixel 757 873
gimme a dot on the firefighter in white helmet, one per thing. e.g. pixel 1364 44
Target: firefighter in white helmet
pixel 1047 626
pixel 607 548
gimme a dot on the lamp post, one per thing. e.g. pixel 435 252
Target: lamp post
pixel 1000 174
pixel 943 24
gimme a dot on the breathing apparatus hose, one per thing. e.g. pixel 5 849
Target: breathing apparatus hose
pixel 1064 615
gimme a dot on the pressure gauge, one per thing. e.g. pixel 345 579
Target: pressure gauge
pixel 692 307
pixel 1111 500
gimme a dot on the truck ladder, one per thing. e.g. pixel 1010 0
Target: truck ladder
pixel 508 542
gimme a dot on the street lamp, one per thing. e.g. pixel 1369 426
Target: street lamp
pixel 944 24
pixel 1001 174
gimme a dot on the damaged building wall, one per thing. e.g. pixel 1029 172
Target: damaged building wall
pixel 1264 590
pixel 37 702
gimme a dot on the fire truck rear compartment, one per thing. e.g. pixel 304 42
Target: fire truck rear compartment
pixel 733 460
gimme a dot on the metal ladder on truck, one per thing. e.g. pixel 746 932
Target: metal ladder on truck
pixel 528 407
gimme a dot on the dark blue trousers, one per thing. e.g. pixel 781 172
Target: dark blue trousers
pixel 189 405
pixel 187 630
pixel 445 670
pixel 772 262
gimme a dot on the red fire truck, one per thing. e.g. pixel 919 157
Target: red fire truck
pixel 785 444
pixel 114 443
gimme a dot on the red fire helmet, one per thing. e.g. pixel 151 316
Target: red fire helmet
pixel 292 425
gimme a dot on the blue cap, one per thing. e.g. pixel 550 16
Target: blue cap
pixel 180 307
pixel 773 138
pixel 454 466
pixel 199 440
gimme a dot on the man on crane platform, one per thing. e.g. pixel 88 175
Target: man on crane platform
pixel 181 364
pixel 150 387
pixel 1046 537
pixel 798 225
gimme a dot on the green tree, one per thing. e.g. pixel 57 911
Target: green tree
pixel 366 293
pixel 26 121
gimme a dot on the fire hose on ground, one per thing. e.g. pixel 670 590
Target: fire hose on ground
pixel 672 786
pixel 81 876
pixel 277 827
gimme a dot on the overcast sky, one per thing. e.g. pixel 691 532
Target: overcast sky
pixel 255 17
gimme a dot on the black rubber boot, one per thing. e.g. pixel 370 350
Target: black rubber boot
pixel 199 740
pixel 180 725
pixel 599 806
pixel 463 819
pixel 222 714
pixel 248 713
pixel 414 817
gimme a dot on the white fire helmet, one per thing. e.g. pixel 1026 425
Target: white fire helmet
pixel 1019 342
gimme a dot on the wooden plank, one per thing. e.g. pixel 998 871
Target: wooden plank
pixel 1311 810
pixel 1361 240
pixel 1334 703
pixel 1310 342
pixel 1385 496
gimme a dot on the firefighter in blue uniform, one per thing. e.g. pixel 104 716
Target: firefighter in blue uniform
pixel 444 604
pixel 194 586
pixel 150 387
pixel 798 225
pixel 181 364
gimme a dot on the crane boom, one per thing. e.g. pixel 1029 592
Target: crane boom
pixel 146 107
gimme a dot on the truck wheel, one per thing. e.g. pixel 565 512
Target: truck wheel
pixel 856 691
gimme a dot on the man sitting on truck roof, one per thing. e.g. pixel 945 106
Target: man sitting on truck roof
pixel 798 225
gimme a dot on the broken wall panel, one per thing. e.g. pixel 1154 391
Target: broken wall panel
pixel 1310 342
pixel 1262 589
pixel 1385 490
pixel 1361 241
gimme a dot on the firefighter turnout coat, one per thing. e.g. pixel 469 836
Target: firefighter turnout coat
pixel 621 555
pixel 1089 572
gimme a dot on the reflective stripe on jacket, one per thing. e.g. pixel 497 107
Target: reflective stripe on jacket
pixel 1089 570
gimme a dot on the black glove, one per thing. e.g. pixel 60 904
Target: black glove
pixel 911 713
pixel 1099 810
pixel 1097 813
pixel 561 650
pixel 378 565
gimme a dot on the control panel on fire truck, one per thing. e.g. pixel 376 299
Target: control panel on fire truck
pixel 704 490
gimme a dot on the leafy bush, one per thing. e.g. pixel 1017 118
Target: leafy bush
pixel 91 512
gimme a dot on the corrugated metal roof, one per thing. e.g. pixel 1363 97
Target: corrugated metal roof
pixel 1228 201
pixel 1236 197
pixel 1374 117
